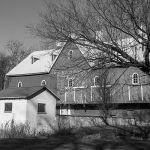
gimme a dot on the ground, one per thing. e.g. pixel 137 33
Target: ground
pixel 71 143
pixel 74 141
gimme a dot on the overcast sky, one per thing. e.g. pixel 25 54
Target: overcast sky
pixel 14 16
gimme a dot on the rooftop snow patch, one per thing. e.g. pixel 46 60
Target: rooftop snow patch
pixel 42 64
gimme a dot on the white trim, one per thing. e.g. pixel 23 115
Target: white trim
pixel 85 98
pixel 79 87
pixel 42 82
pixel 20 84
pixel 60 110
pixel 129 94
pixel 137 78
pixel 76 87
pixel 74 95
pixel 93 86
pixel 65 95
pixel 91 92
pixel 82 97
pixel 99 86
pixel 68 110
pixel 142 92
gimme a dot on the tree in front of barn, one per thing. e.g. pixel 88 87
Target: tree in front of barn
pixel 100 24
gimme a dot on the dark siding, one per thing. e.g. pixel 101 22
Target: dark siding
pixel 119 110
pixel 33 80
pixel 77 61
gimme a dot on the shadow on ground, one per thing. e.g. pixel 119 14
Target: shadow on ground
pixel 74 141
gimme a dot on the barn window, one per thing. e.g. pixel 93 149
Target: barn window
pixel 19 84
pixel 43 83
pixel 135 78
pixel 70 53
pixel 96 80
pixel 8 107
pixel 70 83
pixel 41 108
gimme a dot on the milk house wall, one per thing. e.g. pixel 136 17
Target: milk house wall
pixel 41 120
pixel 18 113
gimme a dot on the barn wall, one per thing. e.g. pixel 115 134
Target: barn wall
pixel 123 90
pixel 77 62
pixel 66 68
pixel 18 113
pixel 33 80
pixel 41 120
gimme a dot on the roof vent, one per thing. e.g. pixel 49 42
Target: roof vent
pixel 34 59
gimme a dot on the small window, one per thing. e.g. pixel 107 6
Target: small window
pixel 19 84
pixel 70 53
pixel 70 83
pixel 8 107
pixel 41 108
pixel 96 80
pixel 53 57
pixel 135 78
pixel 43 83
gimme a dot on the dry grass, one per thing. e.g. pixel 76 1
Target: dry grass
pixel 13 130
pixel 91 138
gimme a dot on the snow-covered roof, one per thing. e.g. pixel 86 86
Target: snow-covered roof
pixel 44 61
pixel 41 64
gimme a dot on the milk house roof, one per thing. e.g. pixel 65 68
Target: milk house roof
pixel 23 93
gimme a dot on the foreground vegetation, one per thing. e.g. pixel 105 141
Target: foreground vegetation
pixel 89 138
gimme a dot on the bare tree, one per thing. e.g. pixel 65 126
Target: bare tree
pixel 16 53
pixel 4 62
pixel 112 27
pixel 101 25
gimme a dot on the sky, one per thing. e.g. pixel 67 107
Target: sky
pixel 15 15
